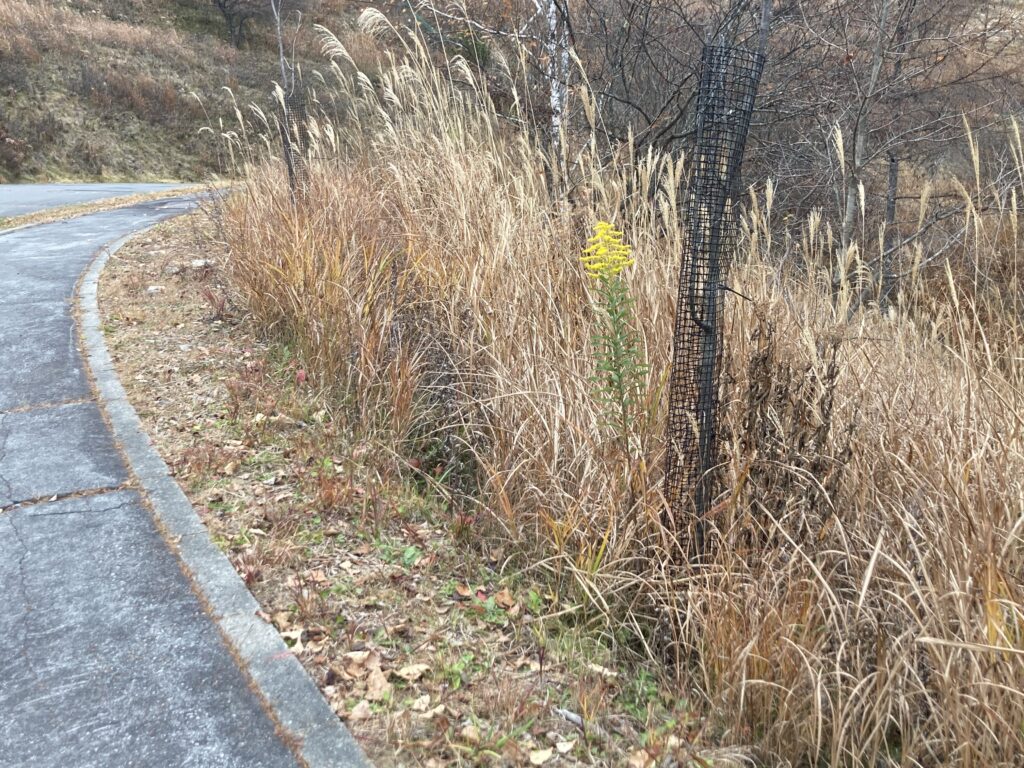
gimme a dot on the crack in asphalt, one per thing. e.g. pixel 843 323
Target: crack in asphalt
pixel 6 490
pixel 63 513
pixel 47 405
pixel 23 589
pixel 83 493
pixel 24 625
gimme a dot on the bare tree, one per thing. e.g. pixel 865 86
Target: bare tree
pixel 278 10
pixel 856 93
pixel 860 93
pixel 857 88
pixel 237 15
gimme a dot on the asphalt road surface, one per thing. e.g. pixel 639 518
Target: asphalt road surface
pixel 107 657
pixel 20 199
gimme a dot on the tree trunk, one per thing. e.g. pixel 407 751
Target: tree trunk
pixel 764 27
pixel 861 130
pixel 557 50
pixel 891 235
pixel 890 198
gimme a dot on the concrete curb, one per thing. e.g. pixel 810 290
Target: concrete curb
pixel 312 727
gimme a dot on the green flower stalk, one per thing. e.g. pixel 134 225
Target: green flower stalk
pixel 621 372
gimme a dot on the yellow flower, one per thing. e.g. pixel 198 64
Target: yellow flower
pixel 606 255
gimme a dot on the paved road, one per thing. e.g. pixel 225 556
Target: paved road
pixel 106 655
pixel 17 200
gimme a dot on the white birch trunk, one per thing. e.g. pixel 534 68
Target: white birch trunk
pixel 557 51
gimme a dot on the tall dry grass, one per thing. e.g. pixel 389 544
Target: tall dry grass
pixel 861 600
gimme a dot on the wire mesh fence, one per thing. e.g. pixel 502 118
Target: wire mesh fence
pixel 725 102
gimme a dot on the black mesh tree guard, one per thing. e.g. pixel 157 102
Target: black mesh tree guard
pixel 725 103
pixel 295 136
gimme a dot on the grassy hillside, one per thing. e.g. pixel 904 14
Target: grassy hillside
pixel 119 89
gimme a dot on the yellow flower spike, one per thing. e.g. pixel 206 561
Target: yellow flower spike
pixel 606 255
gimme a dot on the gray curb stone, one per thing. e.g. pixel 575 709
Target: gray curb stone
pixel 321 739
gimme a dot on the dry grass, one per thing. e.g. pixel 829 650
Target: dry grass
pixel 83 95
pixel 40 28
pixel 861 601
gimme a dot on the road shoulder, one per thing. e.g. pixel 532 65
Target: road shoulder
pixel 277 676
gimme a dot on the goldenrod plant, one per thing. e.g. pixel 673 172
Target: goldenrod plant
pixel 621 370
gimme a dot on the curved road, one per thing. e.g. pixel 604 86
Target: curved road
pixel 20 199
pixel 107 656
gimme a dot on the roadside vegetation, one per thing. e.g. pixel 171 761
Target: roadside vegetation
pixel 860 604
pixel 420 400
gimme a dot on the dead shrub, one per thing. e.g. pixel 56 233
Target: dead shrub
pixel 13 153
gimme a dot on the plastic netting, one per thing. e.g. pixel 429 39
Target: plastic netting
pixel 725 103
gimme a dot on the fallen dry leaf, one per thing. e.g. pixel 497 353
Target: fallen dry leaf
pixel 470 734
pixel 377 686
pixel 430 714
pixel 295 636
pixel 540 756
pixel 504 599
pixel 413 672
pixel 422 704
pixel 358 662
pixel 360 711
